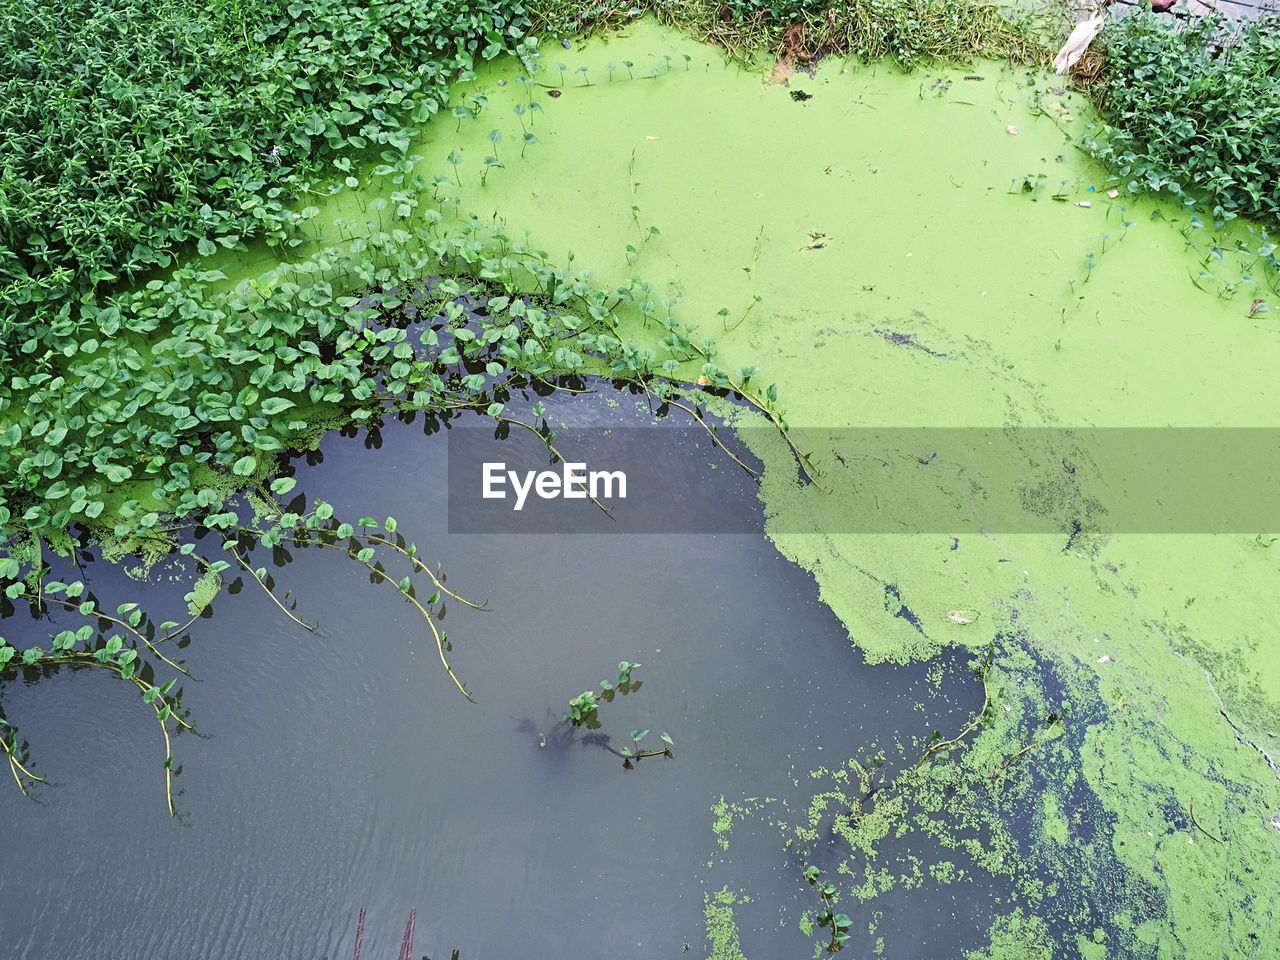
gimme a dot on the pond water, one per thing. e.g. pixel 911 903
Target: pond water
pixel 341 769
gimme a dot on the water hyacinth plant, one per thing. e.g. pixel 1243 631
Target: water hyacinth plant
pixel 837 924
pixel 127 642
pixel 583 708
pixel 633 754
pixel 584 712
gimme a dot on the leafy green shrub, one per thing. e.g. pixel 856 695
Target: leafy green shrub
pixel 129 131
pixel 231 378
pixel 910 32
pixel 1194 111
pixel 129 128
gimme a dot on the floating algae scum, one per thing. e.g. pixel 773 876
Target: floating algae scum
pixel 887 251
pixel 931 250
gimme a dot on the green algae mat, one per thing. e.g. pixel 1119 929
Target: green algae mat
pixel 931 250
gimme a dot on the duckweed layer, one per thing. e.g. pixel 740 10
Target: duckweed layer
pixel 722 932
pixel 933 250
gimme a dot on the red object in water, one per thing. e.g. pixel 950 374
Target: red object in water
pixel 359 935
pixel 406 945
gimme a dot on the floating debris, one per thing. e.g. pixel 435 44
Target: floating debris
pixel 1078 42
pixel 406 945
pixel 406 942
pixel 900 339
pixel 359 936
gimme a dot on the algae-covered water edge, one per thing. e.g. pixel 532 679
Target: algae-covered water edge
pixel 914 596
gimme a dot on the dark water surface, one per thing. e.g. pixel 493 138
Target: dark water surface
pixel 342 769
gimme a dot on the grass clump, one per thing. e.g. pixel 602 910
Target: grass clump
pixel 910 32
pixel 1193 110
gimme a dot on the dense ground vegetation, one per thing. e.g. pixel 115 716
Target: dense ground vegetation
pixel 132 134
pixel 130 131
pixel 136 390
pixel 910 32
pixel 1195 112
